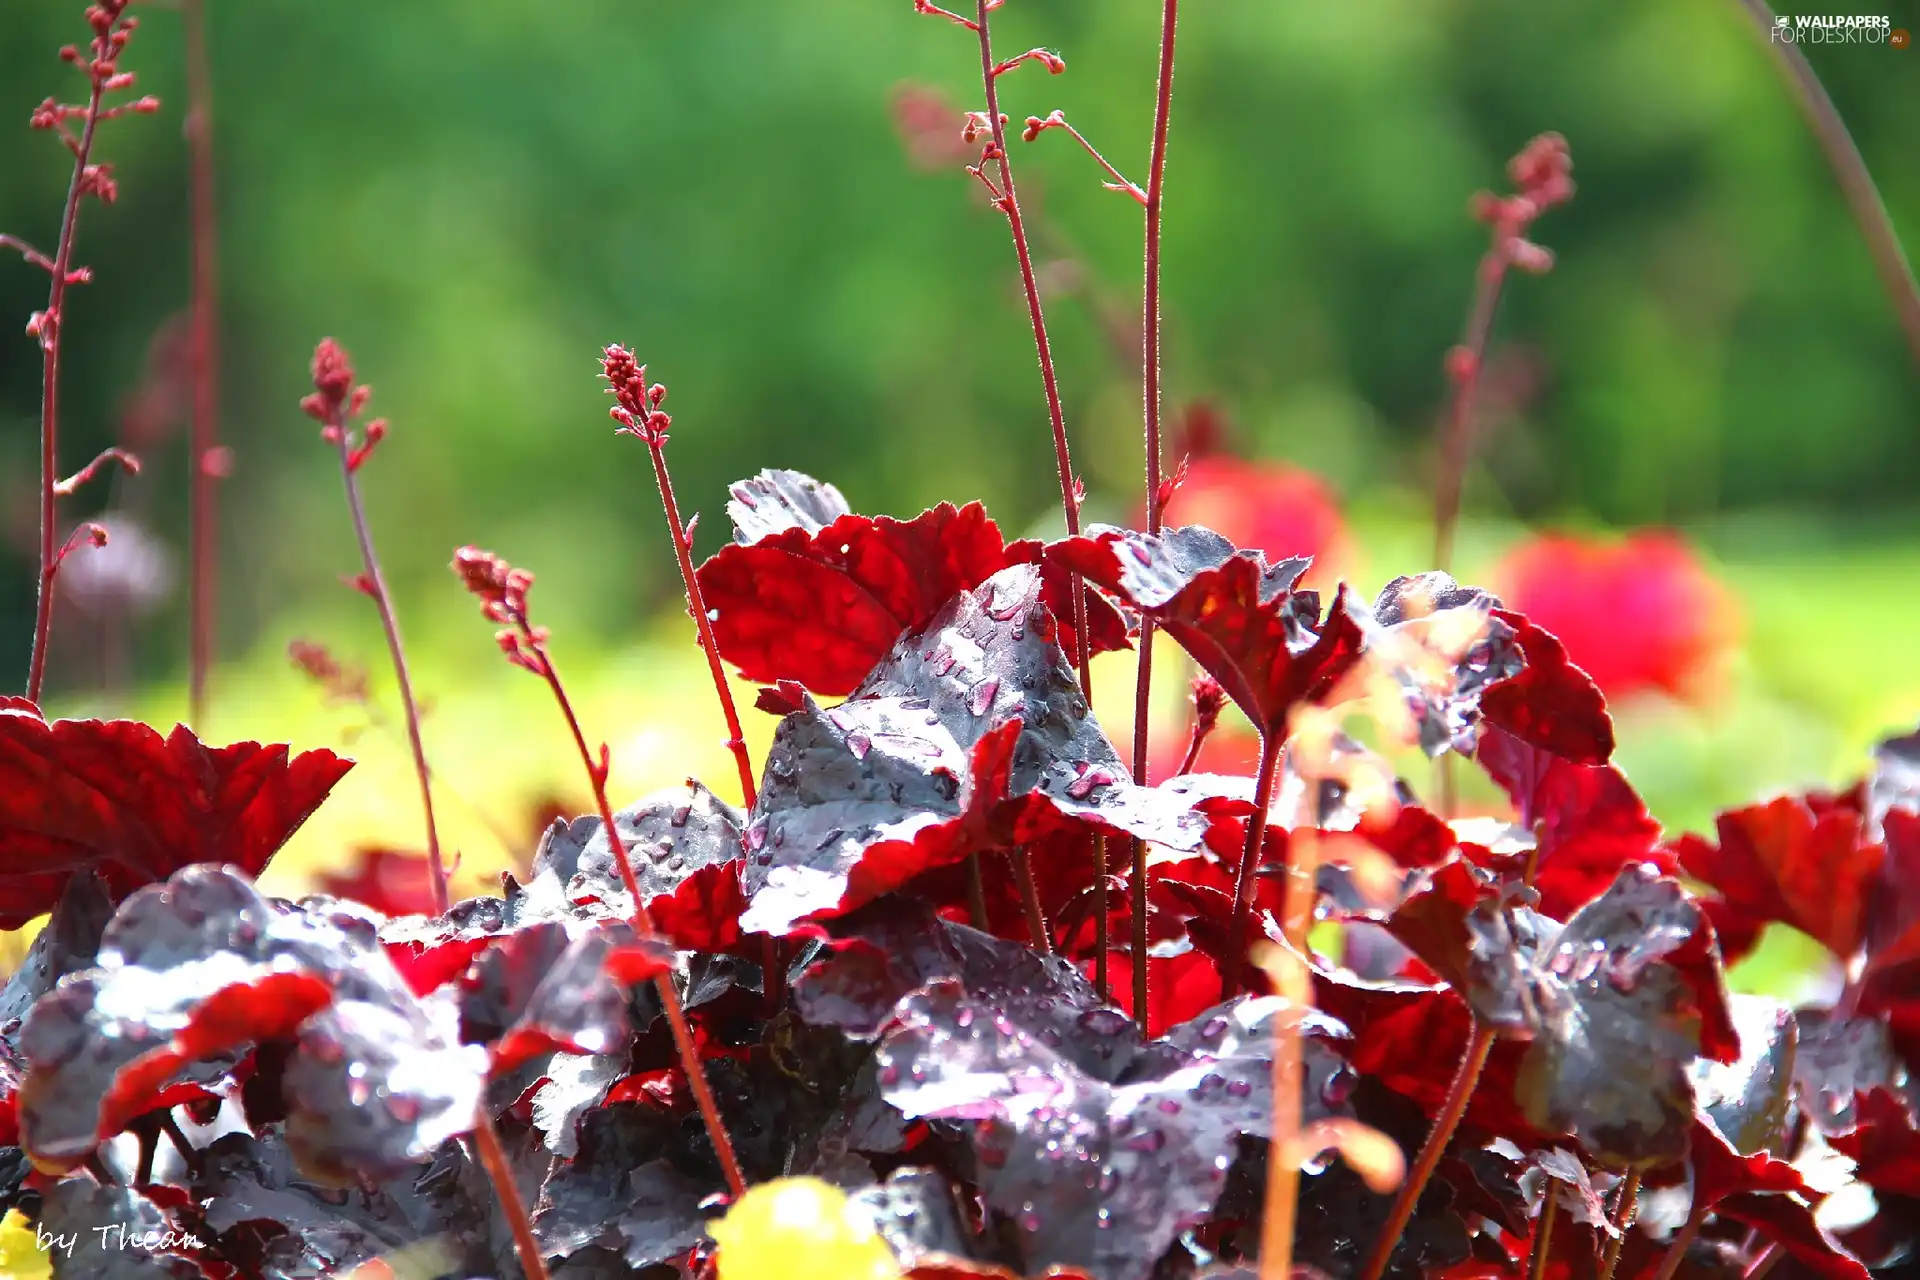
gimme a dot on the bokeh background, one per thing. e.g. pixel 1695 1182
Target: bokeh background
pixel 766 201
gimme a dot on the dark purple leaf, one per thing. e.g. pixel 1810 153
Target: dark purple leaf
pixel 971 734
pixel 1838 1059
pixel 1629 994
pixel 66 945
pixel 620 1191
pixel 376 1086
pixel 114 1233
pixel 1442 645
pixel 1240 618
pixel 534 992
pixel 887 951
pixel 575 1084
pixel 1096 1173
pixel 917 1212
pixel 684 846
pixel 777 500
pixel 192 970
pixel 1749 1100
pixel 284 1227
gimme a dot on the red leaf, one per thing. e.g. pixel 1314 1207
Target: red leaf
pixel 1270 507
pixel 1719 1171
pixel 1790 1224
pixel 821 606
pixel 115 795
pixel 264 1008
pixel 1784 861
pixel 1552 704
pixel 1590 820
pixel 1884 1145
pixel 1238 617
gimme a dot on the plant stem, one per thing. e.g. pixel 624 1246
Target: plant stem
pixel 1623 1215
pixel 1038 934
pixel 977 895
pixel 1271 741
pixel 1682 1241
pixel 1150 398
pixel 1459 1093
pixel 396 650
pixel 54 323
pixel 203 555
pixel 1009 202
pixel 1195 740
pixel 1456 448
pixel 1764 1263
pixel 494 1157
pixel 1290 974
pixel 772 961
pixel 1850 169
pixel 642 921
pixel 683 552
pixel 1543 1235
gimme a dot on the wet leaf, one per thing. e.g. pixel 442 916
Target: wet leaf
pixel 116 796
pixel 684 845
pixel 777 500
pixel 620 1191
pixel 1588 819
pixel 1442 645
pixel 1630 994
pixel 821 604
pixel 1240 618
pixel 971 734
pixel 917 1212
pixel 1096 1173
pixel 141 1241
pixel 1749 1100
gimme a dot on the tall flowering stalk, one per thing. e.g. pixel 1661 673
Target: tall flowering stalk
pixel 637 409
pixel 112 29
pixel 335 401
pixel 502 592
pixel 1543 174
pixel 204 452
pixel 1156 492
pixel 991 125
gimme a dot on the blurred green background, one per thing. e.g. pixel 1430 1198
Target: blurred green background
pixel 474 197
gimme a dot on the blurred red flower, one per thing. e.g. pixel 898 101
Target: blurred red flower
pixel 1271 507
pixel 395 881
pixel 1639 613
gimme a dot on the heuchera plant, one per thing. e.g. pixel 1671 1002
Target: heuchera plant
pixel 904 1009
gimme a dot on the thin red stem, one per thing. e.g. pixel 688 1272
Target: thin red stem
pixel 1682 1241
pixel 1289 973
pixel 203 534
pixel 1038 934
pixel 486 1139
pixel 1764 1262
pixel 1543 1235
pixel 396 650
pixel 772 961
pixel 1151 404
pixel 1195 740
pixel 1120 179
pixel 1009 203
pixel 683 553
pixel 1458 1095
pixel 1456 448
pixel 1850 169
pixel 642 921
pixel 54 323
pixel 1623 1216
pixel 1270 744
